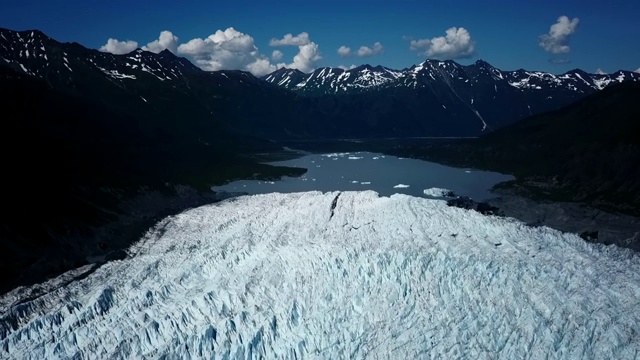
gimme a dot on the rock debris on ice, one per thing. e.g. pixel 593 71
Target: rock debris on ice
pixel 338 275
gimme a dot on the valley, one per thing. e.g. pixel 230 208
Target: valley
pixel 367 211
pixel 127 135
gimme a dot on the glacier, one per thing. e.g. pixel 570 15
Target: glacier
pixel 336 275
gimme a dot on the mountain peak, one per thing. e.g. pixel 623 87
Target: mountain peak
pixel 483 63
pixel 167 52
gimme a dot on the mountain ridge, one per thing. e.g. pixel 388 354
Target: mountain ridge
pixel 307 83
pixel 434 98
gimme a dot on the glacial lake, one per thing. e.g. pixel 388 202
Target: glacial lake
pixel 384 174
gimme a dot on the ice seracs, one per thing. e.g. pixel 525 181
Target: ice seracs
pixel 338 275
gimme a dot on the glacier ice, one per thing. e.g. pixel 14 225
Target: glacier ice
pixel 337 275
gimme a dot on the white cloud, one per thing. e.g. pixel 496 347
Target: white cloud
pixel 366 51
pixel 306 58
pixel 262 67
pixel 119 47
pixel 166 40
pixel 308 51
pixel 290 40
pixel 457 44
pixel 557 40
pixel 227 50
pixel 347 68
pixel 277 55
pixel 638 70
pixel 600 72
pixel 344 51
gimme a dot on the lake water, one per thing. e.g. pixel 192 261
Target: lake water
pixel 371 171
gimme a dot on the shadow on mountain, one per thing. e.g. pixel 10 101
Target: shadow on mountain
pixel 81 181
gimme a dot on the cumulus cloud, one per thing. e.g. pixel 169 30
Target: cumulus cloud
pixel 166 41
pixel 290 40
pixel 227 50
pixel 117 47
pixel 456 44
pixel 366 51
pixel 277 55
pixel 557 40
pixel 344 51
pixel 347 68
pixel 306 58
pixel 308 51
pixel 363 51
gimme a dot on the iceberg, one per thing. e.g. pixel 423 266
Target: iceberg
pixel 337 275
pixel 438 192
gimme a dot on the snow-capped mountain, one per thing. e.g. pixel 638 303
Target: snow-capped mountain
pixel 435 73
pixel 40 56
pixel 435 98
pixel 162 87
pixel 334 80
pixel 477 94
pixel 337 275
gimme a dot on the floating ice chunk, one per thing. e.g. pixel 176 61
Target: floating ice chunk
pixel 438 192
pixel 365 182
pixel 401 186
pixel 336 154
pixel 355 157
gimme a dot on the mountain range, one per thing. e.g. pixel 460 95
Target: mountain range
pixel 434 98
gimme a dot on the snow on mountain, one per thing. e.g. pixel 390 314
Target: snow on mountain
pixel 434 72
pixel 337 275
pixel 333 80
pixel 40 56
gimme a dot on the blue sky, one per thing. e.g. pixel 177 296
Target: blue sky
pixel 507 34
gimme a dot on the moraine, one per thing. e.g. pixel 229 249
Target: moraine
pixel 338 275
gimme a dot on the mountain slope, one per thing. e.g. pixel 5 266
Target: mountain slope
pixel 587 152
pixel 337 275
pixel 89 162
